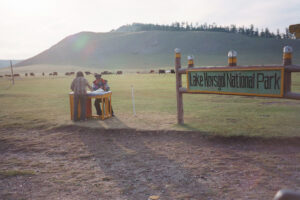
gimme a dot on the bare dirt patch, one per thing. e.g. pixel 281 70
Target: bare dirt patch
pixel 81 163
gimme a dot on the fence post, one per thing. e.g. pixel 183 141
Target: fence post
pixel 178 85
pixel 287 60
pixel 190 61
pixel 232 58
pixel 12 73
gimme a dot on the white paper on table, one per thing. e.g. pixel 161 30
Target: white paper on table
pixel 97 92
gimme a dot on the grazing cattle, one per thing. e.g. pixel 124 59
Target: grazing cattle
pixel 172 71
pixel 7 75
pixel 17 75
pixel 1 76
pixel 161 71
pixel 26 74
pixel 119 72
pixel 106 72
pixel 54 73
pixel 87 73
pixel 50 74
pixel 43 74
pixel 137 72
pixel 151 71
pixel 31 74
pixel 71 73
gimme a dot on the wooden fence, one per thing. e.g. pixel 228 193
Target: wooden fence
pixel 267 81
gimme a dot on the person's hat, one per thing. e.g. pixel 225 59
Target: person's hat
pixel 97 75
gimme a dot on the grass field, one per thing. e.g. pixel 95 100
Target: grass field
pixel 43 102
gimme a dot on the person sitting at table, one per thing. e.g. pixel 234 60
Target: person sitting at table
pixel 97 84
pixel 78 86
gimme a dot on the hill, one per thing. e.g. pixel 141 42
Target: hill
pixel 6 63
pixel 153 49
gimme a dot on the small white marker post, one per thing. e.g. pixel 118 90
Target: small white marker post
pixel 133 105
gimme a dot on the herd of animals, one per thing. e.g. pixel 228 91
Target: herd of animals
pixel 160 71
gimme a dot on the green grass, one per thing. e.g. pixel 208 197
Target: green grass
pixel 43 102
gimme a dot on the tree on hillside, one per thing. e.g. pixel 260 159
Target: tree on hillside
pixel 186 26
pixel 278 36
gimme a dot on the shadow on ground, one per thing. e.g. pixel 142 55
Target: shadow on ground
pixel 138 170
pixel 193 165
pixel 111 123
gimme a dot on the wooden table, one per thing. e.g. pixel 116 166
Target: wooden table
pixel 106 106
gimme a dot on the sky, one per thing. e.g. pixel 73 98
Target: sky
pixel 28 27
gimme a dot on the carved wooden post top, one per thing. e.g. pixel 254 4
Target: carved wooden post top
pixel 287 55
pixel 232 60
pixel 190 61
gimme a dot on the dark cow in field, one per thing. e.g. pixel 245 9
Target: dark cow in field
pixel 161 71
pixel 26 74
pixel 119 72
pixel 50 74
pixel 43 74
pixel 16 75
pixel 31 74
pixel 106 72
pixel 87 73
pixel 1 76
pixel 151 71
pixel 69 73
pixel 54 74
pixel 172 71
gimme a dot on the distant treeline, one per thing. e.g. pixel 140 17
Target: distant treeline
pixel 186 26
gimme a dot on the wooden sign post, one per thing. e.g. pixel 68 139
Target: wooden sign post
pixel 295 29
pixel 178 86
pixel 12 73
pixel 261 81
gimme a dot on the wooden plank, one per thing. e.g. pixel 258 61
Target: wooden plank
pixel 292 68
pixel 183 70
pixel 291 95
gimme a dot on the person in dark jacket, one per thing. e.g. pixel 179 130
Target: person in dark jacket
pixel 97 84
pixel 100 83
pixel 78 86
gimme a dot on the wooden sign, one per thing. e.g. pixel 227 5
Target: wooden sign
pixel 295 29
pixel 260 81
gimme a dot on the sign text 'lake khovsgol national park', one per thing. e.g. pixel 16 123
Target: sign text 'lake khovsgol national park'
pixel 260 81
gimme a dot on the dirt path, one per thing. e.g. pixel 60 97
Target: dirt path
pixel 74 163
